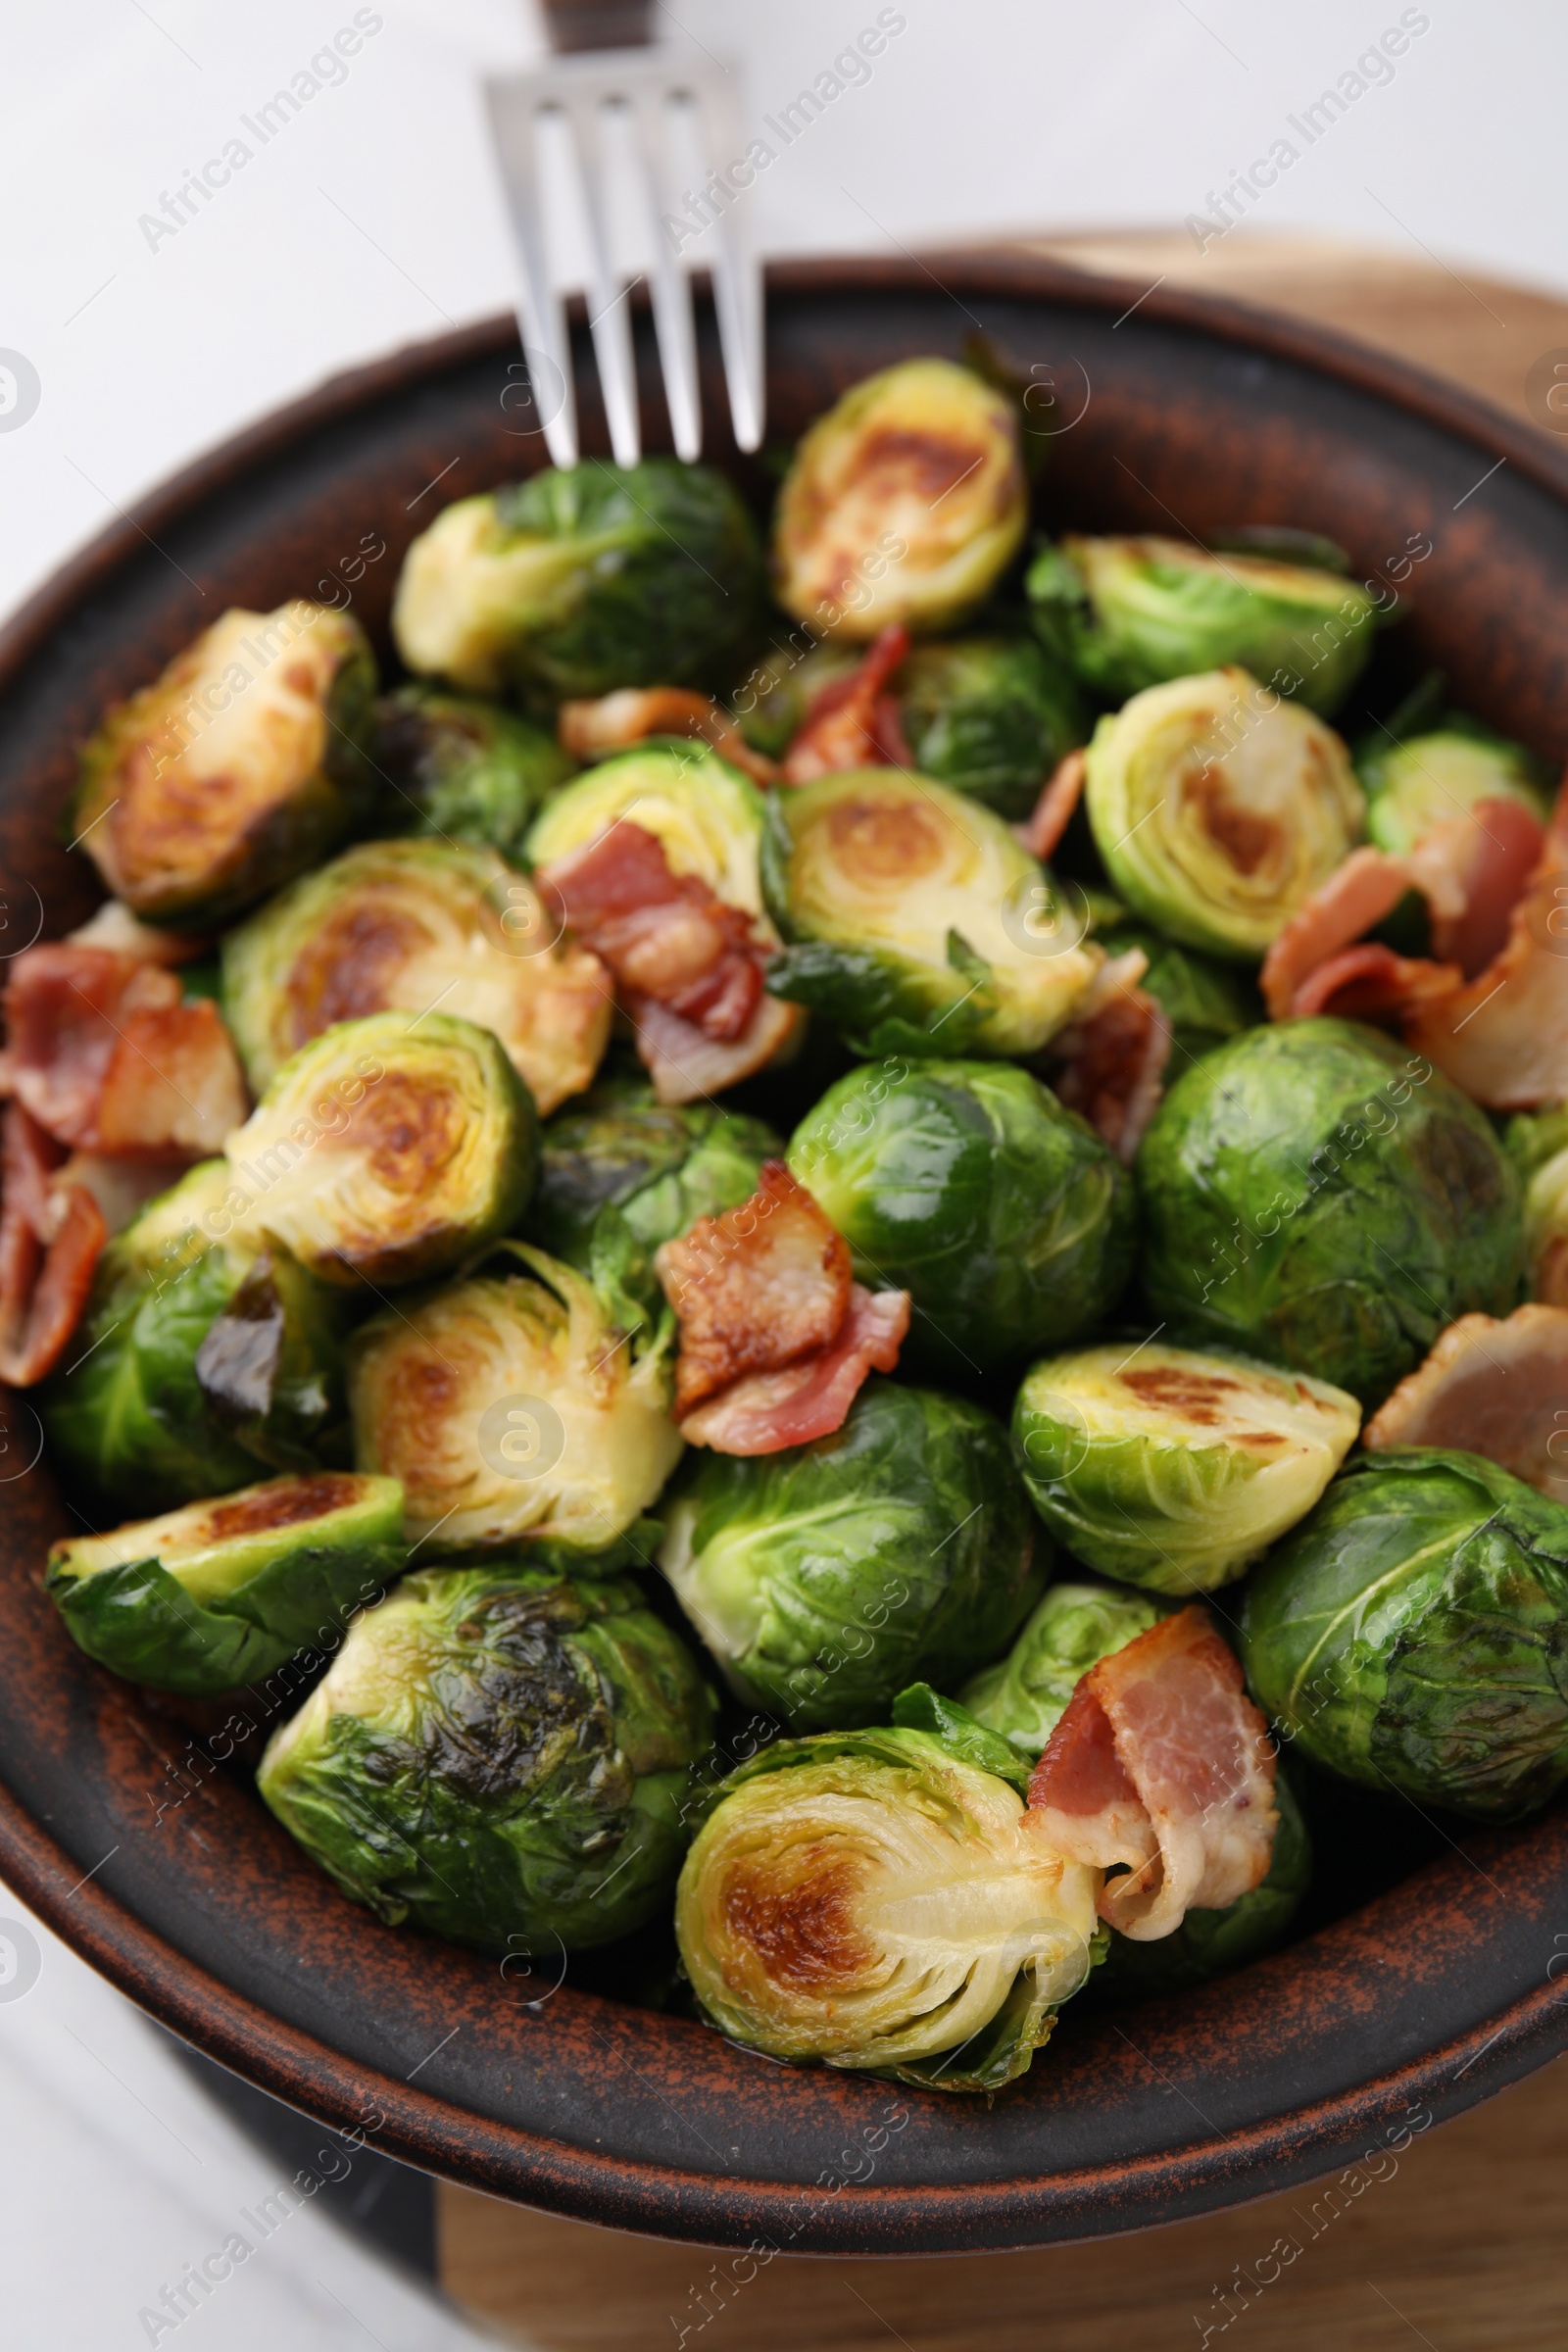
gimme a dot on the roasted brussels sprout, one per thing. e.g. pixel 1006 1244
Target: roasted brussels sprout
pixel 468 770
pixel 1174 1470
pixel 990 715
pixel 1218 808
pixel 1434 777
pixel 706 817
pixel 218 1594
pixel 1024 1696
pixel 204 1353
pixel 1314 1195
pixel 904 503
pixel 407 926
pixel 242 765
pixel 1128 613
pixel 1205 1002
pixel 870 1899
pixel 573 583
pixel 967 1185
pixel 1411 1633
pixel 499 1753
pixel 386 1149
pixel 510 1404
pixel 915 918
pixel 1538 1145
pixel 825 1578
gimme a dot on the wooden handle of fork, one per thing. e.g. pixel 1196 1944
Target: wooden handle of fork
pixel 598 24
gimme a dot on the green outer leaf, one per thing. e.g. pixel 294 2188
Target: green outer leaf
pixel 1024 1696
pixel 1404 799
pixel 1412 1633
pixel 919 1708
pixel 1205 1002
pixel 1269 1229
pixel 991 717
pixel 996 2056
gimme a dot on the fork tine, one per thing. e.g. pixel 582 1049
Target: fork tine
pixel 703 122
pixel 670 290
pixel 541 313
pixel 607 315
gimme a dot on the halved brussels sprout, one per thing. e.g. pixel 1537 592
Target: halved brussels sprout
pixel 990 715
pixel 204 1353
pixel 499 1753
pixel 1024 1696
pixel 1434 777
pixel 825 1578
pixel 967 1185
pixel 573 583
pixel 916 918
pixel 511 1404
pixel 386 1149
pixel 904 503
pixel 218 1594
pixel 1174 1470
pixel 1218 808
pixel 468 770
pixel 1314 1195
pixel 244 765
pixel 1538 1145
pixel 869 1899
pixel 1206 1002
pixel 1128 613
pixel 704 813
pixel 407 925
pixel 1411 1634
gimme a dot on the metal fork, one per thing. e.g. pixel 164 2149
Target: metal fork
pixel 597 151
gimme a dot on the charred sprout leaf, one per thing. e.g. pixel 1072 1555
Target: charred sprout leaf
pixel 571 584
pixel 1174 1470
pixel 1413 1633
pixel 269 1366
pixel 873 1899
pixel 825 1578
pixel 512 1403
pixel 1316 1195
pixel 904 503
pixel 244 765
pixel 1218 810
pixel 468 770
pixel 1023 1698
pixel 705 815
pixel 991 717
pixel 410 926
pixel 386 1149
pixel 915 918
pixel 1416 782
pixel 967 1185
pixel 1128 613
pixel 218 1594
pixel 499 1755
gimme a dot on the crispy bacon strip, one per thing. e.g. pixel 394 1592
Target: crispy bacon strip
pixel 686 1066
pixel 1489 1387
pixel 1473 872
pixel 853 721
pixel 1161 1762
pixel 49 1244
pixel 1053 811
pixel 754 1288
pixel 770 1410
pixel 1363 983
pixel 634 713
pixel 1116 1053
pixel 1355 896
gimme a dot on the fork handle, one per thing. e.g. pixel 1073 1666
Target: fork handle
pixel 597 24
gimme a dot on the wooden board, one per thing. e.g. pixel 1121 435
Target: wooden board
pixel 1457 2243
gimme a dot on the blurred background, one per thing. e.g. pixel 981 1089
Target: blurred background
pixel 1425 215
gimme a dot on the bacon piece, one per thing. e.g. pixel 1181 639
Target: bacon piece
pixel 1473 872
pixel 754 1288
pixel 120 1185
pixel 1489 1387
pixel 634 713
pixel 174 1082
pixel 688 1066
pixel 853 721
pixel 1360 984
pixel 1186 1796
pixel 1053 811
pixel 1116 1051
pixel 49 1245
pixel 766 1411
pixel 1357 896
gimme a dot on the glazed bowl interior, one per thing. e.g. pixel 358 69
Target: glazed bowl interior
pixel 1417 1978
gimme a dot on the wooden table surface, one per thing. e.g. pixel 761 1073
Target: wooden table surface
pixel 1463 2247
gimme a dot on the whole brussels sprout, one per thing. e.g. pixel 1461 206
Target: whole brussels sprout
pixel 218 1594
pixel 1174 1470
pixel 1205 1002
pixel 904 503
pixel 706 817
pixel 967 1185
pixel 1314 1195
pixel 1434 777
pixel 1218 810
pixel 499 1752
pixel 1024 1696
pixel 201 794
pixel 386 1149
pixel 1126 613
pixel 825 1578
pixel 871 1899
pixel 468 770
pixel 914 917
pixel 573 583
pixel 409 926
pixel 1412 1633
pixel 509 1405
pixel 990 715
pixel 1538 1145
